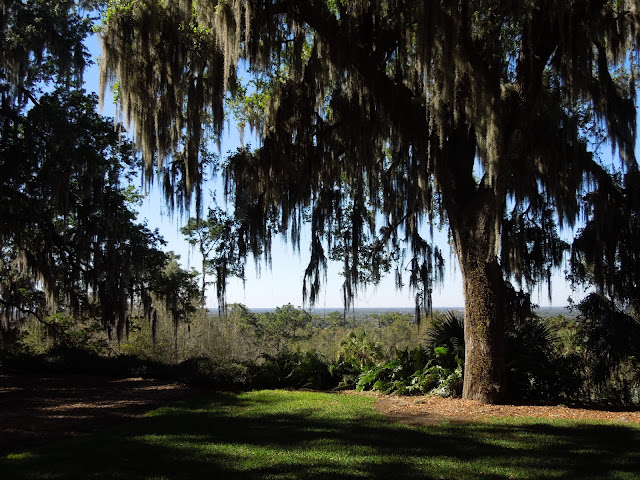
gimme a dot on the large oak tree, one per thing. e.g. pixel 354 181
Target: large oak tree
pixel 382 116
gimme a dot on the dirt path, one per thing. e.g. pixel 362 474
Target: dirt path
pixel 35 409
pixel 434 410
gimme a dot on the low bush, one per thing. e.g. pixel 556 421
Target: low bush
pixel 293 370
pixel 205 372
pixel 416 372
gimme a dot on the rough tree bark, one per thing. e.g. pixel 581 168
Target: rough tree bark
pixel 474 210
pixel 483 283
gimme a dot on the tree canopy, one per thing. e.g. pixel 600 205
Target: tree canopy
pixel 216 238
pixel 383 119
pixel 41 41
pixel 69 240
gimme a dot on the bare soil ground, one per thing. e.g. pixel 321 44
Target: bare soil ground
pixel 35 409
pixel 435 410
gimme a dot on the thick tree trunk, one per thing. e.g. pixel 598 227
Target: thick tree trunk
pixel 483 283
pixel 484 370
pixel 474 210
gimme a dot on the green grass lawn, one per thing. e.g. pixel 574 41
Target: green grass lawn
pixel 287 435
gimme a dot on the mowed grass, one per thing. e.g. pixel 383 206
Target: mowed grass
pixel 290 435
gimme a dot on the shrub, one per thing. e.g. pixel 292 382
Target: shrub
pixel 447 331
pixel 416 373
pixel 293 370
pixel 346 373
pixel 205 372
pixel 357 348
pixel 532 362
pixel 437 380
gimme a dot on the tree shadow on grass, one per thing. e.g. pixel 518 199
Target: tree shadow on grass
pixel 36 408
pixel 272 436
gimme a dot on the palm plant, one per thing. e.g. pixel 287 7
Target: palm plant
pixel 447 331
pixel 531 359
pixel 610 336
pixel 359 349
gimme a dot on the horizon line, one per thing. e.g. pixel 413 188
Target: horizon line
pixel 341 308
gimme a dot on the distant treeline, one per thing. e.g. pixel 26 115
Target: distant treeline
pixel 360 313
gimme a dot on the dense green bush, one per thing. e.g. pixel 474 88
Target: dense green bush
pixel 359 349
pixel 447 331
pixel 293 370
pixel 532 364
pixel 416 372
pixel 346 373
pixel 205 372
pixel 610 336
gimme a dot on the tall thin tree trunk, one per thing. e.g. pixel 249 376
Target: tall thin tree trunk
pixel 204 280
pixel 175 338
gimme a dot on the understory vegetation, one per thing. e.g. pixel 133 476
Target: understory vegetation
pixel 550 359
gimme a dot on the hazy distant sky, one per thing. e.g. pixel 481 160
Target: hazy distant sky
pixel 283 283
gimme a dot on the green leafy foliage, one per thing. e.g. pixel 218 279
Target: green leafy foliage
pixel 415 372
pixel 447 331
pixel 610 338
pixel 41 42
pixel 293 370
pixel 205 372
pixel 248 104
pixel 536 371
pixel 275 331
pixel 217 239
pixel 358 349
pixel 179 290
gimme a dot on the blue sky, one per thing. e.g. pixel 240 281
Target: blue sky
pixel 283 283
